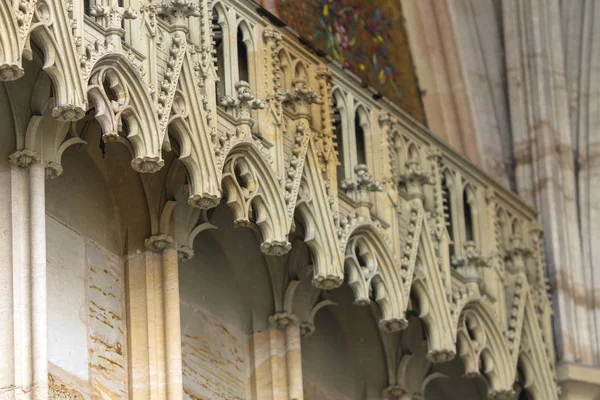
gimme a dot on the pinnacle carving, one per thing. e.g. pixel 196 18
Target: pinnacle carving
pixel 245 102
pixel 301 96
pixel 361 185
pixel 177 11
pixel 470 262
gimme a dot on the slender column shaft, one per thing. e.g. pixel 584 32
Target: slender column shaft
pixel 172 324
pixel 38 279
pixel 294 362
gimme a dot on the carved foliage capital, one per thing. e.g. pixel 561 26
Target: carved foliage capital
pixel 24 158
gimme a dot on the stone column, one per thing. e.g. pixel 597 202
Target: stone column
pixel 23 314
pixel 277 370
pixel 294 361
pixel 170 285
pixel 155 327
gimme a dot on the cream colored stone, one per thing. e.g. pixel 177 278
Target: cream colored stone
pixel 321 291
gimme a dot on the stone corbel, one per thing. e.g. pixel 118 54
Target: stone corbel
pixel 361 186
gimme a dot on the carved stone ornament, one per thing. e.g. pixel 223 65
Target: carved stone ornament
pixel 361 185
pixel 282 320
pixel 414 177
pixel 245 102
pixel 159 242
pixel 176 11
pixel 470 262
pixel 301 96
pixel 24 158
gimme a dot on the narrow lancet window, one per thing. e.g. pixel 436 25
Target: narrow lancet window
pixel 242 53
pixel 220 55
pixel 359 132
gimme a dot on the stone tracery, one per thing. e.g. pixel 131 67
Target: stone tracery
pixel 385 258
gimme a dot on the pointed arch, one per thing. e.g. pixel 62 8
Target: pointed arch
pixel 254 194
pixel 314 210
pixel 300 71
pixel 285 69
pixel 51 32
pixel 533 356
pixel 123 105
pixel 245 46
pixel 362 133
pixel 372 275
pixel 430 291
pixel 483 348
pixel 11 67
pixel 189 126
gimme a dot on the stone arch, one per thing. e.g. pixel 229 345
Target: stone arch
pixel 254 195
pixel 533 356
pixel 120 98
pixel 10 45
pixel 372 275
pixel 313 210
pixel 362 135
pixel 189 128
pixel 227 264
pixel 285 69
pixel 430 289
pixel 346 349
pixel 470 213
pixel 300 70
pixel 248 40
pixel 483 349
pixel 50 32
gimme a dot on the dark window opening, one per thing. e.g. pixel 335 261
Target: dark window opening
pixel 242 53
pixel 87 7
pixel 447 210
pixel 339 139
pixel 220 55
pixel 469 232
pixel 359 132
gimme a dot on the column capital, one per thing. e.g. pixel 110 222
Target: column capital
pixel 282 320
pixel 159 242
pixel 24 158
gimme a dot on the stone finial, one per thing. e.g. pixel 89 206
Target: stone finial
pixel 469 263
pixel 301 96
pixel 516 254
pixel 393 325
pixel 362 185
pixel 177 11
pixel 415 177
pixel 440 356
pixel 244 102
pixel 275 248
pixel 272 34
pixel 147 165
